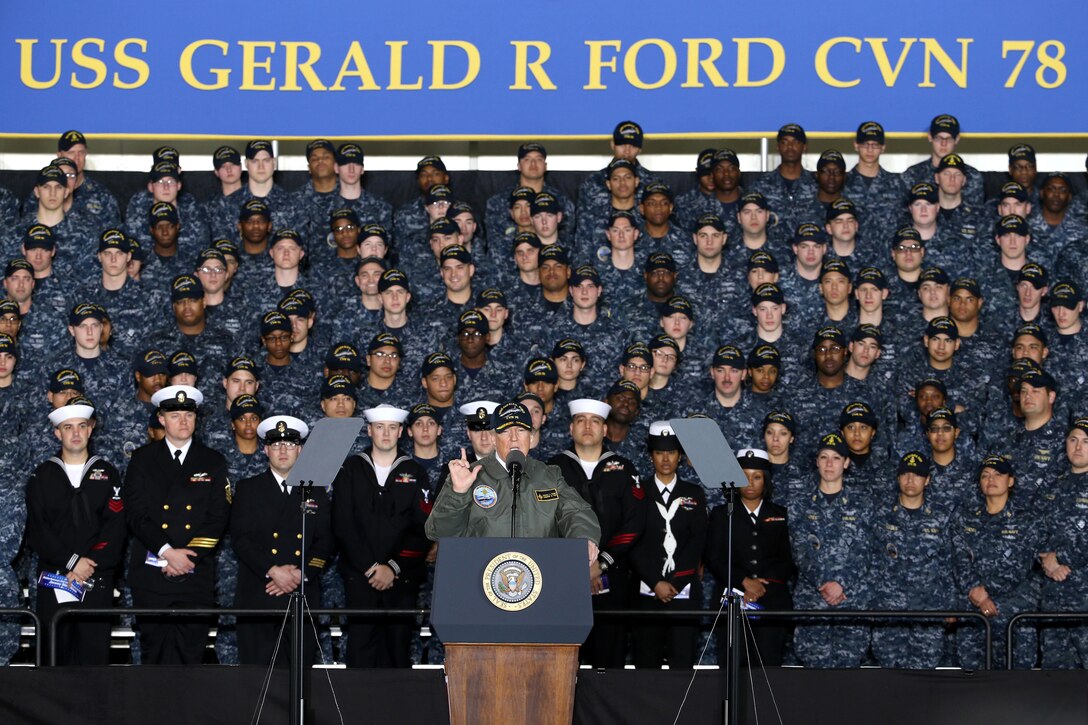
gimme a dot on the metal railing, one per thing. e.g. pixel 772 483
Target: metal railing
pixel 1010 629
pixel 37 623
pixel 851 614
pixel 208 612
pixel 793 614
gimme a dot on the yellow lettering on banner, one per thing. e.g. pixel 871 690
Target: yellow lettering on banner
pixel 958 73
pixel 523 66
pixel 438 64
pixel 355 65
pixel 888 73
pixel 250 64
pixel 396 68
pixel 597 62
pixel 630 64
pixel 82 60
pixel 821 62
pixel 696 61
pixel 293 67
pixel 185 65
pixel 26 63
pixel 143 70
pixel 744 54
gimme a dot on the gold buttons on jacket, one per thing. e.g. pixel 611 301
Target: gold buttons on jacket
pixel 166 507
pixel 298 536
pixel 275 552
pixel 189 507
pixel 166 526
pixel 275 534
pixel 187 527
pixel 298 553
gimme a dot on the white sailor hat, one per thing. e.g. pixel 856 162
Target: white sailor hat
pixel 77 408
pixel 283 428
pixel 385 413
pixel 589 405
pixel 178 397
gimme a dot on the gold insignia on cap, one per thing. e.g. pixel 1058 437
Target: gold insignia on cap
pixel 481 413
pixel 180 396
pixel 913 459
pixel 281 427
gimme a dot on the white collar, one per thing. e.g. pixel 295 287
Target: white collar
pixel 662 486
pixel 184 449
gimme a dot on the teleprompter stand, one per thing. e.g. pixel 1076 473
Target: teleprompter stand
pixel 326 447
pixel 716 465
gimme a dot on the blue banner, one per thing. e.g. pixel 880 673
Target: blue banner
pixel 497 69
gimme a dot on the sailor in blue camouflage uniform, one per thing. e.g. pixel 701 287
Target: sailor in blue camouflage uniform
pixel 792 480
pixel 350 168
pixel 995 544
pixel 789 188
pixel 872 187
pixel 626 144
pixel 661 233
pixel 90 198
pixel 1063 560
pixel 164 185
pixel 315 198
pixel 953 457
pixel 417 332
pixel 846 242
pixel 623 184
pixel 709 278
pixel 800 281
pixel 912 567
pixel 944 135
pixel 221 210
pixel 410 220
pixel 189 330
pixel 1036 447
pixel 832 547
pixel 170 252
pixel 641 311
pixel 532 168
pixel 40 325
pixel 104 372
pixel 128 299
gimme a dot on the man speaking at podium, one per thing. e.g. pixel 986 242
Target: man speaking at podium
pixel 478 498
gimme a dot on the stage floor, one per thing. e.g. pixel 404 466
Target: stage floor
pixel 228 695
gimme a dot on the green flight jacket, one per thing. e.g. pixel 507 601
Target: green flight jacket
pixel 547 506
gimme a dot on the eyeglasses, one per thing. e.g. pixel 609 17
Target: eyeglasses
pixel 637 368
pixel 386 355
pixel 470 333
pixel 163 182
pixel 345 228
pixel 10 318
pixel 278 338
pixel 666 356
pixel 70 175
pixel 212 270
pixel 829 349
pixel 285 445
pixel 941 429
pixel 908 247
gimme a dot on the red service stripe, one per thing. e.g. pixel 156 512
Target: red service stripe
pixel 685 572
pixel 409 553
pixel 620 539
pixel 100 545
pixel 117 506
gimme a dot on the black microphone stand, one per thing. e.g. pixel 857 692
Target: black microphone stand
pixel 299 667
pixel 734 626
pixel 515 476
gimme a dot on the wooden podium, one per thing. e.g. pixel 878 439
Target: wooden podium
pixel 512 614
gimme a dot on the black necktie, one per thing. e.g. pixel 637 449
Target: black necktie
pixel 177 457
pixel 664 495
pixel 286 491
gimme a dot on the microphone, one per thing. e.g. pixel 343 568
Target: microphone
pixel 515 463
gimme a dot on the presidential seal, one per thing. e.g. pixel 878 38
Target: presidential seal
pixel 512 581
